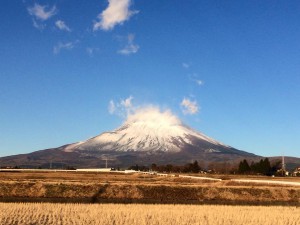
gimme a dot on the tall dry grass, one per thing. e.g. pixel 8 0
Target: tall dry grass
pixel 138 214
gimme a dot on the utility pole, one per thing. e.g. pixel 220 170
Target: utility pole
pixel 283 166
pixel 106 159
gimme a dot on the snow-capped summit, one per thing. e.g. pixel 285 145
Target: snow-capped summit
pixel 148 129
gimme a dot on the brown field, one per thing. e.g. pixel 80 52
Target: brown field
pixel 141 188
pixel 137 214
pixel 121 177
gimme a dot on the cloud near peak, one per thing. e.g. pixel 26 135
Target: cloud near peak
pixel 117 12
pixel 121 108
pixel 125 109
pixel 127 103
pixel 111 107
pixel 143 113
pixel 189 107
pixel 154 115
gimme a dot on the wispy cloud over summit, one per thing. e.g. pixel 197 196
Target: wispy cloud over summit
pixel 111 107
pixel 189 107
pixel 127 103
pixel 117 12
pixel 121 108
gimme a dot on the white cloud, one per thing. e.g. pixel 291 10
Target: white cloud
pixel 127 102
pixel 111 107
pixel 121 108
pixel 130 48
pixel 116 13
pixel 66 46
pixel 153 114
pixel 62 25
pixel 42 12
pixel 125 108
pixel 189 107
pixel 147 113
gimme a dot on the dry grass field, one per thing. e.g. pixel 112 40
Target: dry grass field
pixel 138 214
pixel 82 187
pixel 121 177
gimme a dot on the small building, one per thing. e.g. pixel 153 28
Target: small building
pixel 281 172
pixel 296 172
pixel 95 170
pixel 131 171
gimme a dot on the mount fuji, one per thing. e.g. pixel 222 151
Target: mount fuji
pixel 148 131
pixel 147 136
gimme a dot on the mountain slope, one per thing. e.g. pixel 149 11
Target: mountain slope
pixel 148 136
pixel 145 131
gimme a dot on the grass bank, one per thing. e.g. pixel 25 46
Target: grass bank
pixel 134 192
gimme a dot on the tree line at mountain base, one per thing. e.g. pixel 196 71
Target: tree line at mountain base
pixel 169 168
pixel 263 167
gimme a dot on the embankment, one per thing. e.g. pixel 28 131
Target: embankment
pixel 93 192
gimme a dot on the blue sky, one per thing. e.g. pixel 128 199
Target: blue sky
pixel 230 69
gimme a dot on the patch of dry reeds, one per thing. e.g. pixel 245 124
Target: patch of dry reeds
pixel 138 214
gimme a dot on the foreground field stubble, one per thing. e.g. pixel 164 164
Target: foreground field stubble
pixel 138 214
pixel 71 187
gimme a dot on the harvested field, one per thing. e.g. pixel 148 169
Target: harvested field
pixel 68 187
pixel 137 214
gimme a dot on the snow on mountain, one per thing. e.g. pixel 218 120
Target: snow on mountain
pixel 148 129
